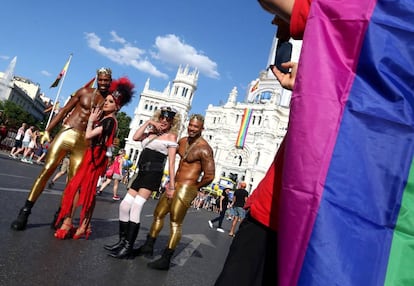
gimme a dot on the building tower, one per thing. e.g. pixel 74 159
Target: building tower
pixel 179 96
pixel 245 135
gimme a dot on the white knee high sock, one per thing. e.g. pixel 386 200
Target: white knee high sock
pixel 125 207
pixel 136 209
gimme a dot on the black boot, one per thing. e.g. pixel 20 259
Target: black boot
pixel 126 251
pixel 21 221
pixel 123 230
pixel 147 249
pixel 162 263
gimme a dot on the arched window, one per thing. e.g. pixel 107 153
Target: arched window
pixel 257 158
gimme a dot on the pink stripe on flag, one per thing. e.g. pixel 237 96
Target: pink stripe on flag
pixel 332 42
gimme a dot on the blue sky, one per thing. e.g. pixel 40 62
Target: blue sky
pixel 228 41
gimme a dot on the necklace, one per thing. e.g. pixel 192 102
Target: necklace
pixel 188 147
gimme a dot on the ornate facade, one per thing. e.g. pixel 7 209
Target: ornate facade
pixel 244 135
pixel 179 96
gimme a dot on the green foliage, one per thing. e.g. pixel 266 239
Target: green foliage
pixel 16 115
pixel 123 128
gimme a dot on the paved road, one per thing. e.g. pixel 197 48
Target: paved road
pixel 35 257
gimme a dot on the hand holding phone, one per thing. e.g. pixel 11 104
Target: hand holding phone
pixel 283 55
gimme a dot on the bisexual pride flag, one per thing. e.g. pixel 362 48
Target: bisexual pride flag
pixel 347 201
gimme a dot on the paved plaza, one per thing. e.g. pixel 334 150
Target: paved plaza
pixel 35 257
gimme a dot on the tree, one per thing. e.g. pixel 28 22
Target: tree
pixel 123 128
pixel 16 115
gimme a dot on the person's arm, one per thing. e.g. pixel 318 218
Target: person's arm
pixel 73 101
pixel 63 112
pixel 283 8
pixel 172 151
pixel 93 117
pixel 221 202
pixel 207 166
pixel 140 134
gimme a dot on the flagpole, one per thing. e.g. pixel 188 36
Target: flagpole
pixel 58 92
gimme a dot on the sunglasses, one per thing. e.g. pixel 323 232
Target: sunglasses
pixel 169 119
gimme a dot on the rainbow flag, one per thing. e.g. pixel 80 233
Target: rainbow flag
pixel 62 73
pixel 347 203
pixel 244 126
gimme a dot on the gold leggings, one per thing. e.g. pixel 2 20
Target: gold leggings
pixel 68 140
pixel 177 207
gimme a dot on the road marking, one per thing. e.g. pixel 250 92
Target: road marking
pixel 188 251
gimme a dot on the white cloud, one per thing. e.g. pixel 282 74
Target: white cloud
pixel 127 55
pixel 172 50
pixel 168 49
pixel 4 57
pixel 46 73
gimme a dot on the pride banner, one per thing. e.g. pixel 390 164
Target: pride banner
pixel 347 202
pixel 244 126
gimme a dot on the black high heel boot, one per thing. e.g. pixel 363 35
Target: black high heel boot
pixel 123 230
pixel 162 263
pixel 126 251
pixel 20 222
pixel 147 249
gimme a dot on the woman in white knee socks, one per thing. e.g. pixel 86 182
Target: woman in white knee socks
pixel 159 140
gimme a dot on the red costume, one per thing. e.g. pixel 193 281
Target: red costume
pixel 86 178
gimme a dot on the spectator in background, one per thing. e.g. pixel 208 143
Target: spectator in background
pixel 3 126
pixel 25 142
pixel 30 150
pixel 239 199
pixel 43 152
pixel 64 169
pixel 115 174
pixel 18 140
pixel 223 202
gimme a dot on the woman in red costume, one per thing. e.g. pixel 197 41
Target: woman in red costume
pixel 81 189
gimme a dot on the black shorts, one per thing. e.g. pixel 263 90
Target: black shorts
pixel 150 180
pixel 18 143
pixel 252 256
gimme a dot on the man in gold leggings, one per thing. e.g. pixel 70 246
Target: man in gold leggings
pixel 196 158
pixel 69 140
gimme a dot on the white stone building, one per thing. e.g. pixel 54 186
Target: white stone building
pixel 244 146
pixel 178 96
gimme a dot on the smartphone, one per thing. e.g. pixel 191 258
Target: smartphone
pixel 283 54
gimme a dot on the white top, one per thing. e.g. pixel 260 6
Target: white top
pixel 27 135
pixel 20 133
pixel 159 145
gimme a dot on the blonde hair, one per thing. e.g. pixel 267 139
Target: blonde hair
pixel 175 125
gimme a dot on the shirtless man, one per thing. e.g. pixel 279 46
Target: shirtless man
pixel 70 139
pixel 196 158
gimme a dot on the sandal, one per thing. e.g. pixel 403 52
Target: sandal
pixel 64 232
pixel 81 232
pixel 84 233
